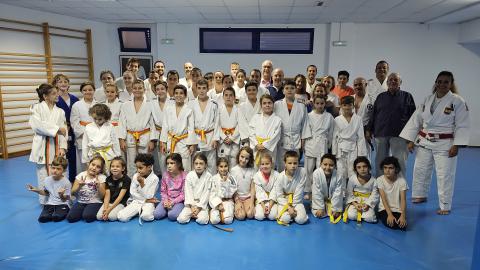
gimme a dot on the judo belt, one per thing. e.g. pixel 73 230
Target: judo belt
pixel 115 124
pixel 102 151
pixel 330 214
pixel 284 209
pixel 260 140
pixel 158 128
pixel 228 131
pixel 268 195
pixel 175 139
pixel 435 136
pixel 359 214
pixel 137 134
pixel 84 123
pixel 203 134
pixel 47 151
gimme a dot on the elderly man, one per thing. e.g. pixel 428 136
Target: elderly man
pixel 311 78
pixel 187 80
pixel 379 84
pixel 276 89
pixel 391 111
pixel 267 67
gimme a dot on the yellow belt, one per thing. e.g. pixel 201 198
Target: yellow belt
pixel 260 140
pixel 330 214
pixel 203 134
pixel 228 131
pixel 284 209
pixel 359 214
pixel 103 153
pixel 175 139
pixel 268 195
pixel 137 134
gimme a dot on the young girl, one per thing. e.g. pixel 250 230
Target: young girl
pixel 65 102
pixel 289 191
pixel 171 189
pixel 361 194
pixel 197 192
pixel 90 189
pixel 178 130
pixel 222 191
pixel 243 172
pixel 114 104
pixel 327 190
pixel 265 130
pixel 100 138
pixel 333 103
pixel 137 129
pixel 158 112
pixel 218 85
pixel 392 209
pixel 117 191
pixel 143 188
pixel 239 86
pixel 80 118
pixel 126 94
pixel 230 123
pixel 50 133
pixel 106 77
pixel 265 179
pixel 321 123
pixel 301 89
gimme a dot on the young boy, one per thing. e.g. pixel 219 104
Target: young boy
pixel 143 187
pixel 342 89
pixel 234 67
pixel 57 189
pixel 392 209
pixel 348 139
pixel 327 190
pixel 248 109
pixel 137 128
pixel 295 128
pixel 133 64
pixel 205 112
pixel 289 191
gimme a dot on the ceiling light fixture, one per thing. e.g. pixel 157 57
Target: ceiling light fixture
pixel 339 42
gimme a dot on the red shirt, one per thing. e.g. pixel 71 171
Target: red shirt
pixel 343 92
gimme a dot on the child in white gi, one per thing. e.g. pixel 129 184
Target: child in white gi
pixel 264 180
pixel 223 189
pixel 143 188
pixel 114 104
pixel 197 192
pixel 327 190
pixel 158 111
pixel 57 191
pixel 321 123
pixel 50 133
pixel 361 194
pixel 243 172
pixel 289 191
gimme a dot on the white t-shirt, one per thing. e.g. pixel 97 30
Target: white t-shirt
pixel 392 192
pixel 53 186
pixel 88 193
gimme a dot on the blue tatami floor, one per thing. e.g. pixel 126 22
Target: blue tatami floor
pixel 431 242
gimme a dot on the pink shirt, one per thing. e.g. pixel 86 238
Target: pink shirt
pixel 172 188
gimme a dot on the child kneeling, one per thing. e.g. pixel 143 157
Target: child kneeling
pixel 224 187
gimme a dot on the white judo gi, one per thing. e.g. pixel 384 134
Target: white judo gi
pixel 101 141
pixel 264 192
pixel 295 128
pixel 434 134
pixel 46 143
pixel 222 192
pixel 136 204
pixel 362 194
pixel 79 119
pixel 265 130
pixel 231 126
pixel 327 196
pixel 289 192
pixel 197 193
pixel 158 113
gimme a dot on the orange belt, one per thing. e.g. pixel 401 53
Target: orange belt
pixel 158 128
pixel 175 139
pixel 114 124
pixel 228 131
pixel 203 134
pixel 84 123
pixel 136 134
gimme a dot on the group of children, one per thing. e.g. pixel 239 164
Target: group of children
pixel 181 134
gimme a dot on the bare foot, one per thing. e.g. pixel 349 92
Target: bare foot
pixel 443 212
pixel 419 200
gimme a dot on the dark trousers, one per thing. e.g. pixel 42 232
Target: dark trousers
pixel 85 211
pixel 382 215
pixel 53 213
pixel 72 158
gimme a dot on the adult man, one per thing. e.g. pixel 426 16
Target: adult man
pixel 379 83
pixel 159 67
pixel 187 80
pixel 391 111
pixel 255 76
pixel 276 89
pixel 267 67
pixel 133 64
pixel 363 107
pixel 311 78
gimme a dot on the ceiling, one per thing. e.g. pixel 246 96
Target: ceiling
pixel 260 11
